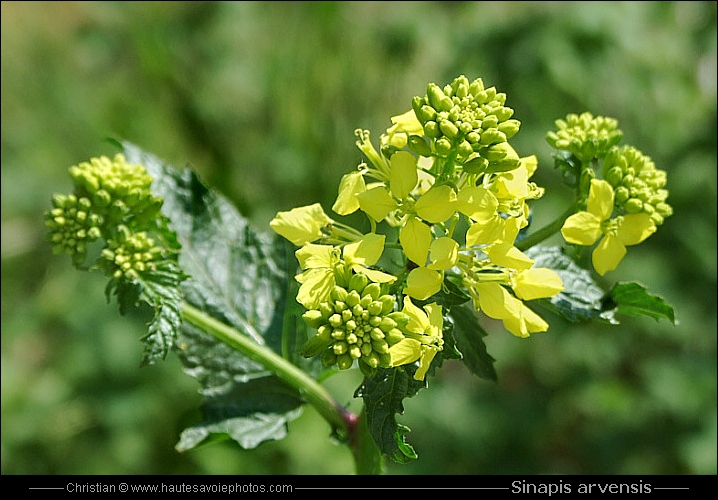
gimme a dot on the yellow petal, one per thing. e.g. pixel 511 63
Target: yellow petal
pixel 366 251
pixel 405 351
pixel 530 163
pixel 415 238
pixel 408 122
pixel 301 225
pixel 313 256
pixel 507 255
pixel 403 174
pixel 428 353
pixel 443 254
pixel 350 185
pixel 485 233
pixel 600 199
pixel 582 228
pixel 418 320
pixel 436 319
pixel 537 283
pixel 496 302
pixel 477 203
pixel 437 204
pixel 374 275
pixel 512 185
pixel 635 228
pixel 376 202
pixel 525 323
pixel 316 285
pixel 422 283
pixel 608 254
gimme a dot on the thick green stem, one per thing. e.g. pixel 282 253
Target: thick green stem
pixel 546 231
pixel 342 421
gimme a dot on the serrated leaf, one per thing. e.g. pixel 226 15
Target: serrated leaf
pixel 581 298
pixel 249 413
pixel 160 289
pixel 469 337
pixel 383 396
pixel 240 277
pixel 634 299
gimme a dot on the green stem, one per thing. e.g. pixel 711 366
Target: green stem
pixel 341 420
pixel 546 231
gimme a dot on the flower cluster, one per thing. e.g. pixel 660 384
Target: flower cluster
pixel 111 201
pixel 446 196
pixel 623 206
pixel 584 135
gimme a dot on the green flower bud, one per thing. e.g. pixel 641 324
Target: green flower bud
pixel 633 206
pixel 373 290
pixel 387 304
pixel 442 146
pixel 435 95
pixel 476 165
pixel 345 361
pixel 509 128
pixel 387 324
pixel 622 194
pixel 338 293
pixel 358 282
pixel 313 318
pixel 492 136
pixel 491 121
pixel 375 308
pixel 464 149
pixel 353 298
pixel 393 336
pixel 352 330
pixel 448 129
pixel 431 129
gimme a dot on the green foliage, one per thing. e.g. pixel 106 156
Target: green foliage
pixel 238 276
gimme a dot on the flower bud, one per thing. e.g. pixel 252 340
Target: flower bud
pixel 358 282
pixel 443 147
pixel 448 129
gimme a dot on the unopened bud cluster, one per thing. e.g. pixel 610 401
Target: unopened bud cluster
pixel 112 200
pixel 129 254
pixel 464 118
pixel 638 185
pixel 585 136
pixel 72 225
pixel 357 323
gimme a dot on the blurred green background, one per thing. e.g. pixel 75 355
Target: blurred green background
pixel 262 100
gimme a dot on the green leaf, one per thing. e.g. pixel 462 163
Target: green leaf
pixel 634 299
pixel 469 336
pixel 239 277
pixel 249 413
pixel 383 396
pixel 581 298
pixel 160 289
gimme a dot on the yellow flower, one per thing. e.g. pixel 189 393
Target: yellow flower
pixel 403 125
pixel 496 302
pixel 423 340
pixel 587 227
pixel 322 265
pixel 301 225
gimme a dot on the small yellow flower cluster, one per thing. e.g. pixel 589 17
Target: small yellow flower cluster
pixel 453 195
pixel 622 208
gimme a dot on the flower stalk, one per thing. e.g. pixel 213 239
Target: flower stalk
pixel 342 421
